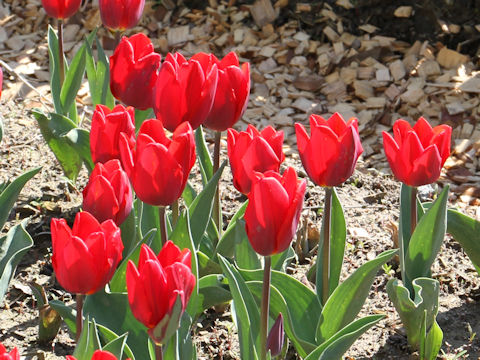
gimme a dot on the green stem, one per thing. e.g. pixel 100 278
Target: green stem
pixel 60 52
pixel 413 211
pixel 163 224
pixel 265 307
pixel 79 298
pixel 174 208
pixel 158 352
pixel 217 210
pixel 326 245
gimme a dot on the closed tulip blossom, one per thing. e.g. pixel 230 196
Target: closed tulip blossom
pixel 61 9
pixel 12 355
pixel 273 211
pixel 158 167
pixel 416 154
pixel 85 258
pixel 233 89
pixel 106 128
pixel 133 71
pixel 108 194
pixel 330 153
pixel 184 91
pixel 98 355
pixel 120 15
pixel 253 151
pixel 159 289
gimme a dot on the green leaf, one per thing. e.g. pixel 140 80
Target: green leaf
pixel 245 257
pixel 149 220
pixel 206 265
pixel 247 316
pixel 281 261
pixel 88 342
pixel 213 291
pixel 433 342
pixel 66 312
pixel 13 247
pixel 426 240
pixel 128 231
pixel 108 335
pixel 54 64
pixel 189 194
pixel 141 116
pixel 234 233
pixel 79 139
pixel 73 79
pixel 205 161
pixel 347 299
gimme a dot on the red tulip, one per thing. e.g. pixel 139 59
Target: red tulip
pixel 273 211
pixel 108 194
pixel 159 167
pixel 85 257
pixel 276 337
pixel 61 9
pixel 184 91
pixel 233 88
pixel 106 128
pixel 416 155
pixel 98 355
pixel 120 15
pixel 12 355
pixel 329 156
pixel 159 290
pixel 253 151
pixel 133 71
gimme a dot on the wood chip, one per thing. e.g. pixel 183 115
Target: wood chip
pixel 450 58
pixel 397 70
pixel 363 89
pixel 331 34
pixel 178 35
pixel 263 12
pixel 403 12
pixel 309 83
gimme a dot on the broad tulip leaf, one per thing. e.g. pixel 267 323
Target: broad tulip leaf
pixel 233 234
pixel 79 139
pixel 204 159
pixel 189 194
pixel 54 63
pixel 206 265
pixel 141 116
pixel 88 341
pixel 433 341
pixel 116 346
pixel 13 247
pixel 245 257
pixel 281 261
pixel 73 79
pixel 347 299
pixel 108 335
pixel 247 316
pixel 213 291
pixel 338 344
pixel 426 240
pixel 67 313
pixel 150 220
pixel 129 233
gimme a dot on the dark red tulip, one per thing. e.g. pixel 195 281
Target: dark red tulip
pixel 184 91
pixel 97 355
pixel 159 289
pixel 12 355
pixel 273 211
pixel 416 155
pixel 276 337
pixel 108 194
pixel 253 151
pixel 120 15
pixel 330 154
pixel 233 89
pixel 61 9
pixel 133 71
pixel 85 258
pixel 159 167
pixel 105 131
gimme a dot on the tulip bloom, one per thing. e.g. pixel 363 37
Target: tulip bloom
pixel 159 167
pixel 159 289
pixel 12 355
pixel 273 211
pixel 120 15
pixel 108 194
pixel 416 155
pixel 276 337
pixel 233 88
pixel 85 258
pixel 184 91
pixel 329 156
pixel 253 151
pixel 98 355
pixel 61 9
pixel 133 71
pixel 105 131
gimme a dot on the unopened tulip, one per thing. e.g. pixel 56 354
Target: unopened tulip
pixel 330 154
pixel 133 71
pixel 159 289
pixel 276 337
pixel 12 355
pixel 184 91
pixel 98 355
pixel 120 15
pixel 108 194
pixel 253 151
pixel 61 9
pixel 233 89
pixel 273 211
pixel 105 131
pixel 158 167
pixel 416 155
pixel 85 258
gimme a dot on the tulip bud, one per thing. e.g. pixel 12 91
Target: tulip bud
pixel 276 337
pixel 12 355
pixel 61 9
pixel 120 15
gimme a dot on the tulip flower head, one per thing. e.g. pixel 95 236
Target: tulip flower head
pixel 184 91
pixel 330 154
pixel 12 355
pixel 159 289
pixel 98 355
pixel 108 194
pixel 133 71
pixel 232 92
pixel 120 15
pixel 85 258
pixel 106 128
pixel 253 151
pixel 416 154
pixel 61 9
pixel 158 167
pixel 276 337
pixel 273 211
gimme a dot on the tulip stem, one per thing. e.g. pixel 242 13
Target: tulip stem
pixel 118 36
pixel 413 210
pixel 326 245
pixel 79 298
pixel 163 224
pixel 265 307
pixel 217 210
pixel 158 352
pixel 60 52
pixel 174 208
